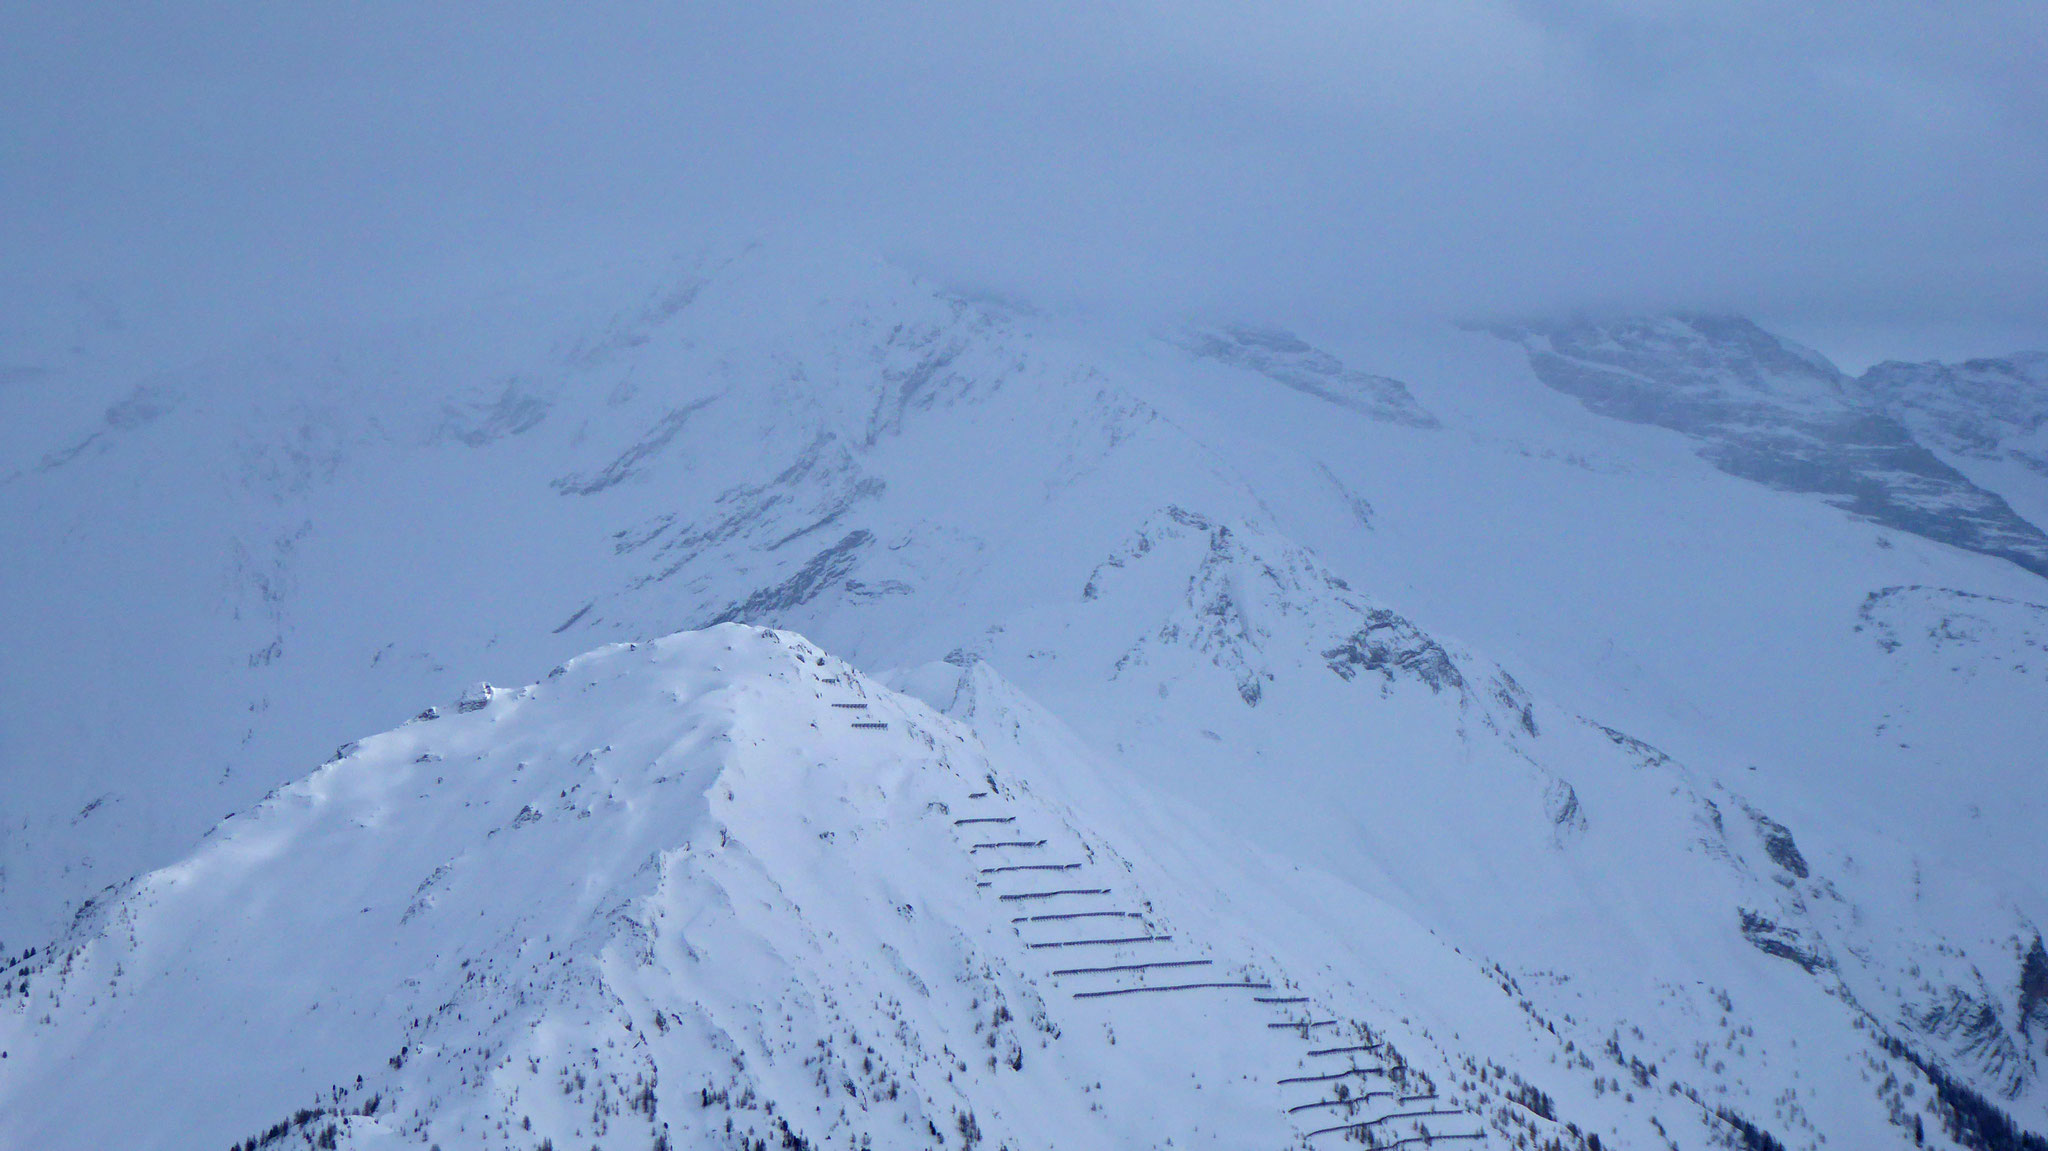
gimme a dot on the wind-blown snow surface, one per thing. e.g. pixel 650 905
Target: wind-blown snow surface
pixel 722 888
pixel 1702 748
pixel 717 888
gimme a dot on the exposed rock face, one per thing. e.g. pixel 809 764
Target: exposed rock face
pixel 1778 844
pixel 1285 359
pixel 805 911
pixel 2033 1010
pixel 1773 938
pixel 1988 409
pixel 1767 410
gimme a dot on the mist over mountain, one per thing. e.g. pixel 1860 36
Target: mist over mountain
pixel 1082 577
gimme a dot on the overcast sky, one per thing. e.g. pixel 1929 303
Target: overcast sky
pixel 1876 170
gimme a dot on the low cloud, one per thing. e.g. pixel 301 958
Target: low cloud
pixel 1869 166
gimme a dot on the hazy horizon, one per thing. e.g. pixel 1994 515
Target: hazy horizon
pixel 1867 178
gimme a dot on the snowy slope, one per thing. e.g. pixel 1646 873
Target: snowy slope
pixel 756 897
pixel 1986 408
pixel 760 897
pixel 1986 416
pixel 1768 410
pixel 1232 562
pixel 1435 779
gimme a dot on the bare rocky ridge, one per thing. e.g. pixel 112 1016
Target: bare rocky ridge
pixel 1766 410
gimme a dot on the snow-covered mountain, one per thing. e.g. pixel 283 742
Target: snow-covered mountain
pixel 711 891
pixel 1982 408
pixel 1985 415
pixel 721 889
pixel 1770 411
pixel 1716 823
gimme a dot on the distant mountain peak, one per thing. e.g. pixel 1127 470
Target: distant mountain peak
pixel 1767 410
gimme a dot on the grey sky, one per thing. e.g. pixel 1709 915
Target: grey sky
pixel 1869 168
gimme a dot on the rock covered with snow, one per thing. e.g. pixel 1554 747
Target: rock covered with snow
pixel 713 890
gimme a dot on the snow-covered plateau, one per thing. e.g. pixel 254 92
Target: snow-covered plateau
pixel 974 727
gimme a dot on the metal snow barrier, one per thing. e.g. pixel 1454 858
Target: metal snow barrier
pixel 1344 1074
pixel 1006 842
pixel 1031 867
pixel 986 818
pixel 1430 1138
pixel 1386 1119
pixel 1303 1025
pixel 871 724
pixel 1079 915
pixel 1050 894
pixel 1162 987
pixel 1279 999
pixel 1105 942
pixel 1350 1101
pixel 1346 1050
pixel 1136 966
pixel 853 706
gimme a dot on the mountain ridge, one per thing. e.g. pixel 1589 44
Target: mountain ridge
pixel 1751 748
pixel 1770 411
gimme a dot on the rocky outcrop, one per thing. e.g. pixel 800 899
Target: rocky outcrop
pixel 1284 359
pixel 1986 409
pixel 1767 410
